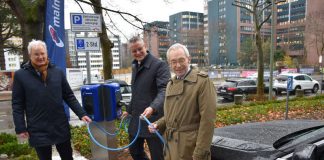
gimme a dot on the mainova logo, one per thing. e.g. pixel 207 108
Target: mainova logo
pixel 57 40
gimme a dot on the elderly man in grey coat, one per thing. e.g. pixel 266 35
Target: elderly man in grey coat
pixel 150 76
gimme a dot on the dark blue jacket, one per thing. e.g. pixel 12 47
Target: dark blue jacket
pixel 149 82
pixel 41 104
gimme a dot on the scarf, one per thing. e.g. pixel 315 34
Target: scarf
pixel 41 69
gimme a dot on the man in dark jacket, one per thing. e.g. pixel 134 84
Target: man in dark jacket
pixel 39 89
pixel 149 79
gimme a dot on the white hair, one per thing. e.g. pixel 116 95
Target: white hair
pixel 34 43
pixel 177 46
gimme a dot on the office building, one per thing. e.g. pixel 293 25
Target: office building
pixel 188 28
pixel 300 28
pixel 156 37
pixel 228 27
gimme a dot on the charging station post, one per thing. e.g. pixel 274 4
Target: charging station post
pixel 100 101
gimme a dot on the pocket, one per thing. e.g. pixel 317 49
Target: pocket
pixel 187 143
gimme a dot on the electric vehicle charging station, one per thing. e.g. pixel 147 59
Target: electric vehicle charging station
pixel 101 102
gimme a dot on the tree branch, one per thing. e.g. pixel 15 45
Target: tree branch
pixel 242 5
pixel 265 20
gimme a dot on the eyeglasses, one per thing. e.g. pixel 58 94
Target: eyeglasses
pixel 181 62
pixel 139 49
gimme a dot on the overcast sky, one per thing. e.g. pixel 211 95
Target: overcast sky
pixel 146 10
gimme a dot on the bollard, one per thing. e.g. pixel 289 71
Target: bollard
pixel 299 93
pixel 238 99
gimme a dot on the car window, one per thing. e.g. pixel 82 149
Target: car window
pixel 246 83
pixel 300 78
pixel 252 83
pixel 308 78
pixel 282 78
pixel 229 84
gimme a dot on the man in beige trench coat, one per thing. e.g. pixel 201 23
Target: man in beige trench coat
pixel 189 109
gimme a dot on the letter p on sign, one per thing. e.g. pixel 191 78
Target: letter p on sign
pixel 77 19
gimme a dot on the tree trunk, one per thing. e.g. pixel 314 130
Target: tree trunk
pixel 106 44
pixel 30 30
pixel 260 65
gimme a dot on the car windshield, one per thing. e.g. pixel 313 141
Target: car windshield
pixel 229 84
pixel 125 89
pixel 282 78
pixel 299 136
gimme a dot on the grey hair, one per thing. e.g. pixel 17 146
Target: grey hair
pixel 136 39
pixel 177 46
pixel 34 43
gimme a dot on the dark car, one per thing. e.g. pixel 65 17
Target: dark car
pixel 244 86
pixel 125 89
pixel 274 140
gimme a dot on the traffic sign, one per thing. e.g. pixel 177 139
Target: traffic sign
pixel 290 83
pixel 85 22
pixel 87 44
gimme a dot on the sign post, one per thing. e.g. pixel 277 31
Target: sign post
pixel 289 88
pixel 321 70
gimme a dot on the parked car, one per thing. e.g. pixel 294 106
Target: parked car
pixel 243 86
pixel 274 140
pixel 125 89
pixel 300 81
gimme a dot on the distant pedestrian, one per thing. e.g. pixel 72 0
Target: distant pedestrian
pixel 149 79
pixel 39 89
pixel 189 109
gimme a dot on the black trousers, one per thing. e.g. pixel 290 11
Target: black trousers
pixel 64 149
pixel 155 146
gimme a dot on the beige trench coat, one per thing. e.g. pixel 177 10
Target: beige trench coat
pixel 189 116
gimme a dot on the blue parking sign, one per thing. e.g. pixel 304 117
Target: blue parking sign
pixel 77 19
pixel 290 83
pixel 80 43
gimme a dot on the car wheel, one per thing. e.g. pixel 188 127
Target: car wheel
pixel 315 88
pixel 294 91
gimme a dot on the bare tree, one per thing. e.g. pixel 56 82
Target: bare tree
pixel 315 32
pixel 256 8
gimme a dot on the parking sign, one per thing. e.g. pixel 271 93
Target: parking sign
pixel 87 44
pixel 290 83
pixel 85 22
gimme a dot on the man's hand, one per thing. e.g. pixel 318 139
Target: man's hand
pixel 23 135
pixel 152 128
pixel 125 114
pixel 86 119
pixel 148 112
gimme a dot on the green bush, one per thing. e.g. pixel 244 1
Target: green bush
pixel 11 147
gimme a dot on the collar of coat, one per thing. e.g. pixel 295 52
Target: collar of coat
pixel 191 77
pixel 147 61
pixel 28 65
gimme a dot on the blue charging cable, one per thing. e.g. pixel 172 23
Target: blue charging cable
pixel 113 134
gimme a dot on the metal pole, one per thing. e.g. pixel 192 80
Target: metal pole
pixel 272 48
pixel 88 62
pixel 287 107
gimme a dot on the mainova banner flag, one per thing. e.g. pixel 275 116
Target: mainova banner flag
pixel 54 32
pixel 54 35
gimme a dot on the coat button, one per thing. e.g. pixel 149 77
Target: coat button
pixel 177 98
pixel 176 140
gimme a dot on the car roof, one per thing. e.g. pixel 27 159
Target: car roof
pixel 265 132
pixel 120 82
pixel 239 79
pixel 291 74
